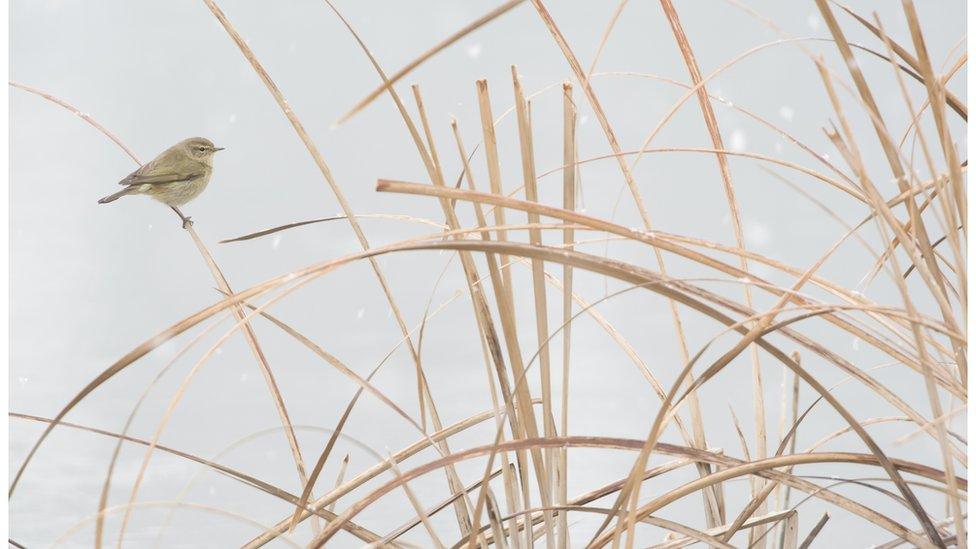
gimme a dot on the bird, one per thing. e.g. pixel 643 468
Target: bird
pixel 178 175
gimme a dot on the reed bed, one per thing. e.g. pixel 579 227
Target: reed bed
pixel 506 474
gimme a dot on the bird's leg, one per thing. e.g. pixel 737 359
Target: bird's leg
pixel 186 220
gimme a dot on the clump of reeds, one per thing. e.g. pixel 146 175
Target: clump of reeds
pixel 522 497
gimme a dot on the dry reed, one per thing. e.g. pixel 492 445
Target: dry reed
pixel 520 494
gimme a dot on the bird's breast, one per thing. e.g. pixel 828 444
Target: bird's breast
pixel 178 194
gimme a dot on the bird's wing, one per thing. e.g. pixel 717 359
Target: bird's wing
pixel 136 178
pixel 165 168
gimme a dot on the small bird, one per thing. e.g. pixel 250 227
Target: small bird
pixel 175 177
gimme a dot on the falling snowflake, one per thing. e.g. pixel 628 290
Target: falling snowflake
pixel 473 51
pixel 786 112
pixel 738 141
pixel 757 234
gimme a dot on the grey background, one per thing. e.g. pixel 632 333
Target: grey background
pixel 89 282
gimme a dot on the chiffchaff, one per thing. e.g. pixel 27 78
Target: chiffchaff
pixel 175 177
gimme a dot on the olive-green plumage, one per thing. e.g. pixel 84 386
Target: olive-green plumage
pixel 175 177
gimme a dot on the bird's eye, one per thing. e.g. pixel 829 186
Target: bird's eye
pixel 201 149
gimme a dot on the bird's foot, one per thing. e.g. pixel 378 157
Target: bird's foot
pixel 185 219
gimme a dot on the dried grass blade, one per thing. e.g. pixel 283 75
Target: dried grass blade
pixel 790 531
pixel 77 112
pixel 569 204
pixel 493 164
pixel 397 76
pixel 266 232
pixel 711 122
pixel 462 508
pixel 605 37
pixel 815 531
pixel 524 115
pixel 339 478
pixel 937 95
pixel 523 422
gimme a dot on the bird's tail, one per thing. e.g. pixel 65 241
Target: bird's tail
pixel 115 196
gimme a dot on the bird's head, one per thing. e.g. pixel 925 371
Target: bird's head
pixel 200 148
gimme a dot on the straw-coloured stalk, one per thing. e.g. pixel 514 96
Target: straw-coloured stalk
pixel 569 203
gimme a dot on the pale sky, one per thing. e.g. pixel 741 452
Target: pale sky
pixel 91 282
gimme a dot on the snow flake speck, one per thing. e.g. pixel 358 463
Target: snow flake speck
pixel 738 140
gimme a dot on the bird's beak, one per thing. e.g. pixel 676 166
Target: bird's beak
pixel 218 149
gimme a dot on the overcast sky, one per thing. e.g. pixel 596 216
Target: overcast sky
pixel 91 282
